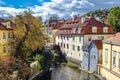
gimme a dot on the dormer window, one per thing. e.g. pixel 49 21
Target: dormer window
pixel 8 25
pixel 74 29
pixel 79 30
pixel 94 29
pixel 105 30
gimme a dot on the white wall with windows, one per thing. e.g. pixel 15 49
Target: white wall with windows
pixel 71 45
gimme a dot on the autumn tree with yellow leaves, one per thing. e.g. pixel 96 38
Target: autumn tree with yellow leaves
pixel 28 35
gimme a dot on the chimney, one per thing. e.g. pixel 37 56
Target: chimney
pixel 74 17
pixel 82 19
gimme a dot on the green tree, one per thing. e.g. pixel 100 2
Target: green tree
pixel 47 59
pixel 28 35
pixel 114 18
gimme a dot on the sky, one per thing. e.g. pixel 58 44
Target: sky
pixel 59 8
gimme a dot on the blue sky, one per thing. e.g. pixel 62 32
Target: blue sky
pixel 60 8
pixel 21 3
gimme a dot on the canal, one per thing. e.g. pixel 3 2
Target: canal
pixel 63 72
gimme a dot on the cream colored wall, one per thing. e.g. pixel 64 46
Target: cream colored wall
pixel 106 46
pixel 111 48
pixel 117 49
pixel 109 76
pixel 94 37
pixel 54 35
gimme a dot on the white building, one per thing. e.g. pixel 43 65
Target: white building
pixel 78 32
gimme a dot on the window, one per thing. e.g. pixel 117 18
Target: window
pixel 89 38
pixel 8 35
pixel 119 60
pixel 4 35
pixel 74 29
pixel 67 38
pixel 64 45
pixel 73 47
pixel 105 30
pixel 61 44
pixel 100 37
pixel 78 48
pixel 94 29
pixel 106 55
pixel 64 37
pixel 94 57
pixel 114 58
pixel 79 30
pixel 67 46
pixel 84 54
pixel 80 38
pixel 73 38
pixel 4 49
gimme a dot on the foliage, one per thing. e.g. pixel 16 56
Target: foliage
pixel 46 59
pixel 29 34
pixel 114 18
pixel 11 64
pixel 98 13
pixel 37 57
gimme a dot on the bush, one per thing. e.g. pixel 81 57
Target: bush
pixel 11 65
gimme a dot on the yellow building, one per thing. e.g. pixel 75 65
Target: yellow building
pixel 110 68
pixel 6 31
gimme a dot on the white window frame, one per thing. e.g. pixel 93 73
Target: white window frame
pixel 94 29
pixel 114 58
pixel 119 60
pixel 105 30
pixel 106 56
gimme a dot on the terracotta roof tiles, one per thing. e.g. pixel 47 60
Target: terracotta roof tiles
pixel 98 44
pixel 113 39
pixel 86 26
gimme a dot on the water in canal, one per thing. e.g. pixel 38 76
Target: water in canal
pixel 63 72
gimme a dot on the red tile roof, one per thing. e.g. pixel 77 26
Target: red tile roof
pixel 98 44
pixel 2 27
pixel 113 39
pixel 58 25
pixel 86 26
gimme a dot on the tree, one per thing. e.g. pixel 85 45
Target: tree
pixel 47 59
pixel 114 18
pixel 12 68
pixel 28 35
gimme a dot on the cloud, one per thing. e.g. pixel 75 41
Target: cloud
pixel 65 8
pixel 7 11
pixel 62 8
